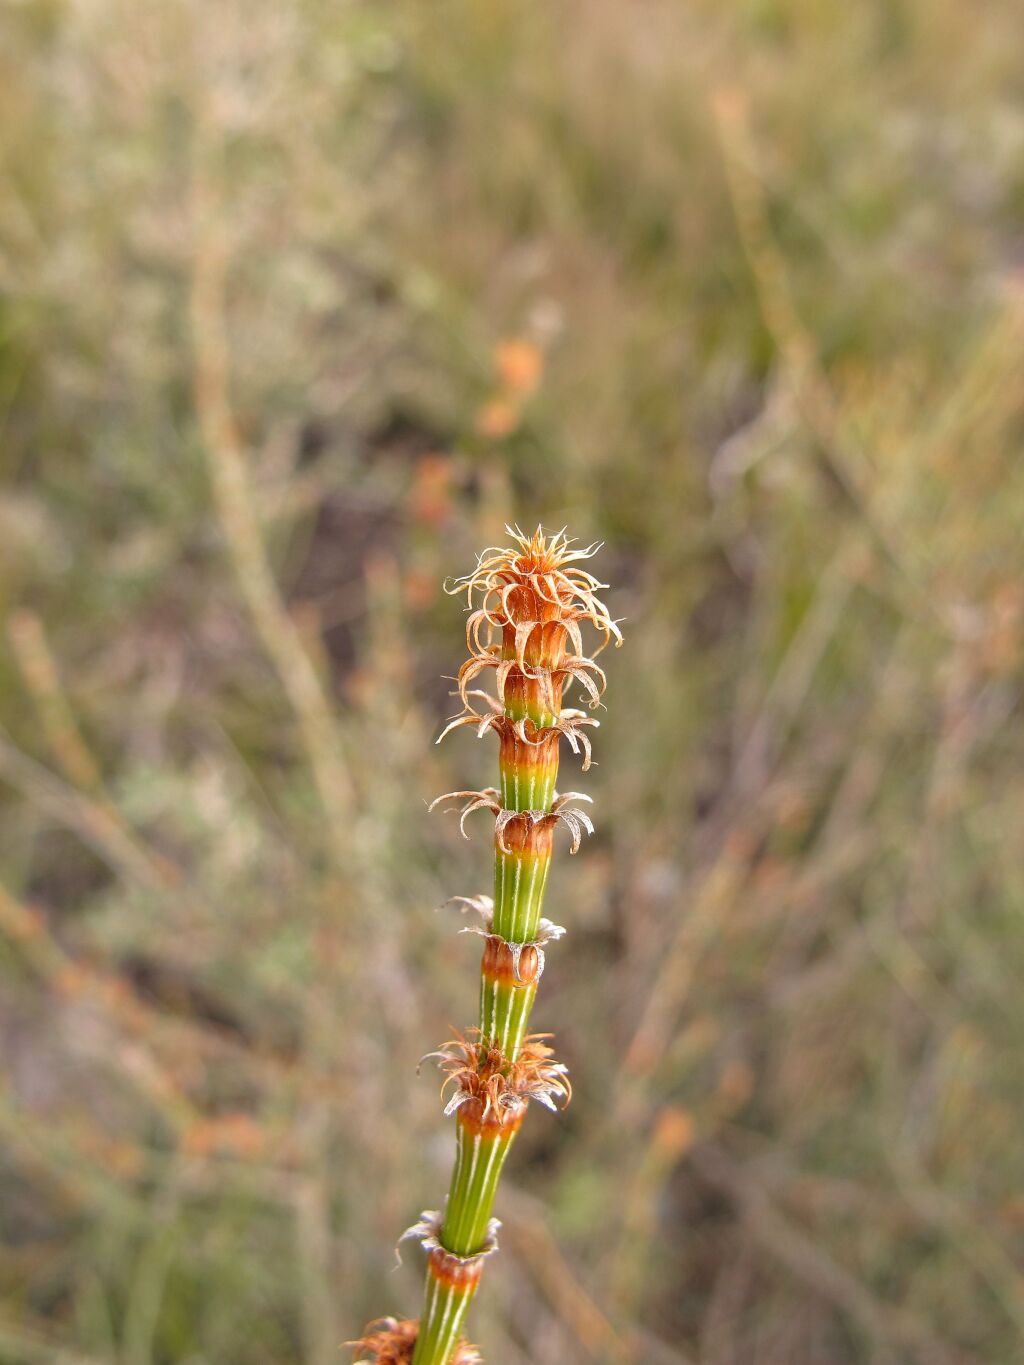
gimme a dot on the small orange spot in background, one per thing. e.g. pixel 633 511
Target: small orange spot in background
pixel 419 589
pixel 71 981
pixel 675 1131
pixel 120 1157
pixel 1001 645
pixel 1013 1210
pixel 238 1134
pixel 735 1087
pixel 771 872
pixel 430 499
pixel 25 922
pixel 519 364
pixel 497 418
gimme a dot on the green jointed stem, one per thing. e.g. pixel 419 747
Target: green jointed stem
pixel 504 1014
pixel 519 886
pixel 479 1158
pixel 534 601
pixel 444 1312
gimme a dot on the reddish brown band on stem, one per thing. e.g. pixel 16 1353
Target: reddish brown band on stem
pixel 498 1119
pixel 539 753
pixel 524 604
pixel 545 645
pixel 533 758
pixel 498 964
pixel 455 1272
pixel 524 836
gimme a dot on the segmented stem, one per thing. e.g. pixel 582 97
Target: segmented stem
pixel 526 628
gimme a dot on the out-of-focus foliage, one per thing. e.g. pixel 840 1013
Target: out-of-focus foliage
pixel 731 286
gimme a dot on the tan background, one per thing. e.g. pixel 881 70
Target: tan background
pixel 298 303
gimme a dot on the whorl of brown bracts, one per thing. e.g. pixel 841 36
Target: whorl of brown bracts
pixel 533 599
pixel 487 1087
pixel 523 962
pixel 550 676
pixel 536 572
pixel 518 825
pixel 500 949
pixel 571 723
pixel 391 1341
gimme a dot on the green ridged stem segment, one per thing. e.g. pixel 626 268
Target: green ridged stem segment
pixel 479 1157
pixel 504 1014
pixel 523 707
pixel 526 788
pixel 520 880
pixel 444 1312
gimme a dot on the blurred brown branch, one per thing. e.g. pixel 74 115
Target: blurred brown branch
pixel 239 519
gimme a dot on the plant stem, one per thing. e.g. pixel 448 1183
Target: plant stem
pixel 534 602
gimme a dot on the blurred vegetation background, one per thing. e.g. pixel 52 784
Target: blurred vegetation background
pixel 298 304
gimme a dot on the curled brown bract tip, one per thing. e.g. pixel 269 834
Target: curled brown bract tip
pixel 387 1341
pixel 515 830
pixel 391 1341
pixel 571 723
pixel 427 1231
pixel 488 799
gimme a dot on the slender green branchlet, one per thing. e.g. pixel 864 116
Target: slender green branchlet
pixel 527 605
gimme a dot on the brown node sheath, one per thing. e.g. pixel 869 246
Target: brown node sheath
pixel 523 604
pixel 538 684
pixel 522 834
pixel 455 1272
pixel 545 645
pixel 499 963
pixel 530 757
pixel 479 1121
